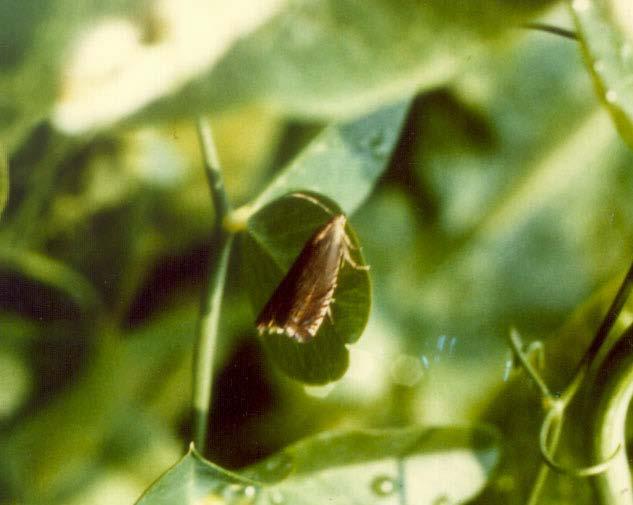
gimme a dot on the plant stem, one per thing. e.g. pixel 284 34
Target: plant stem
pixel 613 393
pixel 601 335
pixel 207 337
pixel 544 470
pixel 213 171
pixel 555 30
pixel 53 273
pixel 208 323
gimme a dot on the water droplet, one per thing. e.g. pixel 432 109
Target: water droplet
pixel 425 361
pixel 611 96
pixel 508 365
pixel 236 494
pixel 581 5
pixel 451 345
pixel 383 485
pixel 598 66
pixel 441 340
pixel 275 497
pixel 278 467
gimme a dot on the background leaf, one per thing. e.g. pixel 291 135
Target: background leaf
pixel 326 59
pixel 606 34
pixel 342 58
pixel 344 161
pixel 268 251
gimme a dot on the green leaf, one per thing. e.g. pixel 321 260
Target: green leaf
pixel 342 58
pixel 33 48
pixel 606 34
pixel 193 480
pixel 344 161
pixel 411 465
pixel 268 251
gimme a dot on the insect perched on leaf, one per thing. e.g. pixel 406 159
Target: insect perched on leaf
pixel 304 297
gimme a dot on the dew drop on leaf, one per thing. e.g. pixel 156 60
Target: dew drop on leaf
pixel 278 467
pixel 236 494
pixel 383 485
pixel 275 497
pixel 611 96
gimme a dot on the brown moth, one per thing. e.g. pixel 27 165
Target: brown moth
pixel 304 296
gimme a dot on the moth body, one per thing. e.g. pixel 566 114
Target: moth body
pixel 304 297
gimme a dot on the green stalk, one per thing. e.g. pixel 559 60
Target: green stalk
pixel 53 273
pixel 613 392
pixel 601 335
pixel 208 323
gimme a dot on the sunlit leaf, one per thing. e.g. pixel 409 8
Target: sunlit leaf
pixel 178 41
pixel 195 481
pixel 344 161
pixel 606 34
pixel 411 465
pixel 342 58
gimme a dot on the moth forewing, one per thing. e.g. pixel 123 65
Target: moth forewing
pixel 304 297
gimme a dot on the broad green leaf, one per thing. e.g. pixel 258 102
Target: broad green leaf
pixel 606 34
pixel 195 481
pixel 268 251
pixel 344 161
pixel 342 58
pixel 414 465
pixel 86 65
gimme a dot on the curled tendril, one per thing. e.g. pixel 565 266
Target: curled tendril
pixel 517 347
pixel 552 417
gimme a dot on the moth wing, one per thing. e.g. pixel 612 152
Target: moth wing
pixel 315 293
pixel 301 301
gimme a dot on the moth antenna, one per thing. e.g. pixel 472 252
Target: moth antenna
pixel 313 200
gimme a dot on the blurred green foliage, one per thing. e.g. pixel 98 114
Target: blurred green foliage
pixel 501 196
